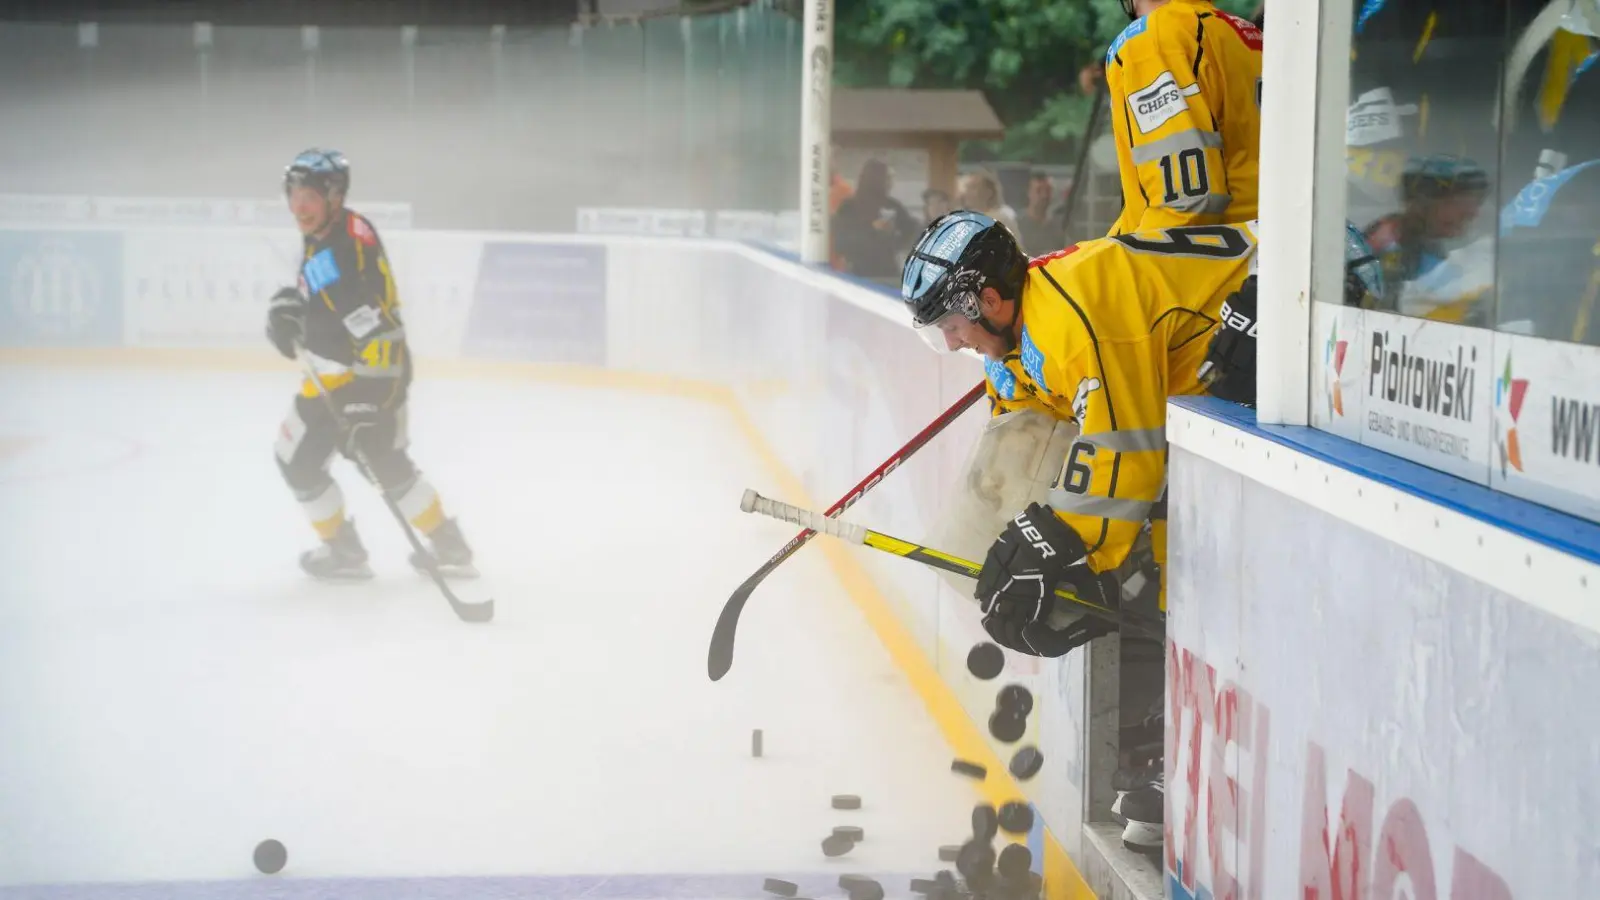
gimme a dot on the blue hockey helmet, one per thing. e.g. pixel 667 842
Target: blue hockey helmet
pixel 325 171
pixel 959 255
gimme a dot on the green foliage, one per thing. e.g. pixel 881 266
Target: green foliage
pixel 1024 55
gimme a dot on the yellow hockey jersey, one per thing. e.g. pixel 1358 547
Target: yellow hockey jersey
pixel 1110 329
pixel 1184 89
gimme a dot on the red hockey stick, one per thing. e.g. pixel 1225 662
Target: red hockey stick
pixel 720 658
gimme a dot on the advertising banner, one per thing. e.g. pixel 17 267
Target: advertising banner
pixel 60 288
pixel 1348 718
pixel 540 303
pixel 246 212
pixel 1337 350
pixel 1546 398
pixel 1426 392
pixel 204 287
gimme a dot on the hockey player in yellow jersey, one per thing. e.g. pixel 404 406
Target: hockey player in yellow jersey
pixel 1101 333
pixel 1184 89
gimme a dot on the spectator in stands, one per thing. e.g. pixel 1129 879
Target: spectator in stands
pixel 980 192
pixel 935 203
pixel 871 228
pixel 1038 229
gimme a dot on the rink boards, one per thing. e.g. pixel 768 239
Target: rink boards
pixel 1378 675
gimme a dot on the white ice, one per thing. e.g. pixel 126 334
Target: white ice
pixel 173 690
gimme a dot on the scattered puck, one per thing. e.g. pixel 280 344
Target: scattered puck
pixel 1015 861
pixel 780 887
pixel 985 660
pixel 976 862
pixel 1007 726
pixel 846 801
pixel 984 822
pixel 1015 697
pixel 1016 817
pixel 970 769
pixel 850 833
pixel 755 743
pixel 1026 763
pixel 860 887
pixel 949 852
pixel 837 846
pixel 270 857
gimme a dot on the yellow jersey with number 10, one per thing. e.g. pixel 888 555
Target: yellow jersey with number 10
pixel 1184 88
pixel 1110 329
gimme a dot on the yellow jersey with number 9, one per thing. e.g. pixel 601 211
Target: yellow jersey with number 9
pixel 1110 329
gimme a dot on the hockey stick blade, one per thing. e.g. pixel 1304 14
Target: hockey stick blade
pixel 466 612
pixel 719 658
pixel 1060 616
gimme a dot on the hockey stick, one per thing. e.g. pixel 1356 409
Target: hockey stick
pixel 1059 617
pixel 466 612
pixel 720 657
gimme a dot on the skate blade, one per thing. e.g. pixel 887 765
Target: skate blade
pixel 453 573
pixel 347 575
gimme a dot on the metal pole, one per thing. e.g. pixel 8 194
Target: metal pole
pixel 816 101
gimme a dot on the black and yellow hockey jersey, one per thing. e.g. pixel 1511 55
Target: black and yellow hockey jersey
pixel 353 328
pixel 1184 88
pixel 1110 329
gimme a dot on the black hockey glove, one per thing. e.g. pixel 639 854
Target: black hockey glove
pixel 359 415
pixel 286 320
pixel 1036 554
pixel 1229 371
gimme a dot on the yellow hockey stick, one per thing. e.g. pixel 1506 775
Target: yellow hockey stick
pixel 1060 617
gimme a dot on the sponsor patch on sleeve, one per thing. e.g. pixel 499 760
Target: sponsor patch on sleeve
pixel 1128 34
pixel 1032 359
pixel 1001 378
pixel 1159 102
pixel 362 322
pixel 320 272
pixel 1247 30
pixel 361 230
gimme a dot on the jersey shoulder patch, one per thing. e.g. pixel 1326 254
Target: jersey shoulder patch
pixel 1048 258
pixel 1128 34
pixel 361 229
pixel 1032 359
pixel 321 271
pixel 1000 378
pixel 1246 29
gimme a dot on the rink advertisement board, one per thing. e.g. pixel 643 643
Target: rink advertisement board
pixel 60 288
pixel 1337 348
pixel 1343 712
pixel 1547 423
pixel 202 287
pixel 539 303
pixel 1425 389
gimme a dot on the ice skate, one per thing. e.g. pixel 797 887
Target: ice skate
pixel 450 551
pixel 1141 808
pixel 341 558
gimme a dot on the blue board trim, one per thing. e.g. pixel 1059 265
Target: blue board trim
pixel 889 291
pixel 1559 531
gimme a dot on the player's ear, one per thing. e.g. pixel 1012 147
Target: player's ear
pixel 990 303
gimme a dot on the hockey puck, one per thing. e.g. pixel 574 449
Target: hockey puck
pixel 860 887
pixel 984 822
pixel 833 845
pixel 846 801
pixel 780 887
pixel 976 862
pixel 985 660
pixel 1015 698
pixel 1026 763
pixel 1015 861
pixel 1006 726
pixel 270 857
pixel 969 769
pixel 850 833
pixel 1016 817
pixel 949 852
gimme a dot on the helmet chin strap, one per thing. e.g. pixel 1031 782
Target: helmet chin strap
pixel 1001 331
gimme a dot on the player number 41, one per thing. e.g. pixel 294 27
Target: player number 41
pixel 376 354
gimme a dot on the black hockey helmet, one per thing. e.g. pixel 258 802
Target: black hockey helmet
pixel 959 255
pixel 1127 7
pixel 1441 175
pixel 325 171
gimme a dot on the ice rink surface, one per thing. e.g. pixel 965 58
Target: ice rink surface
pixel 173 690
